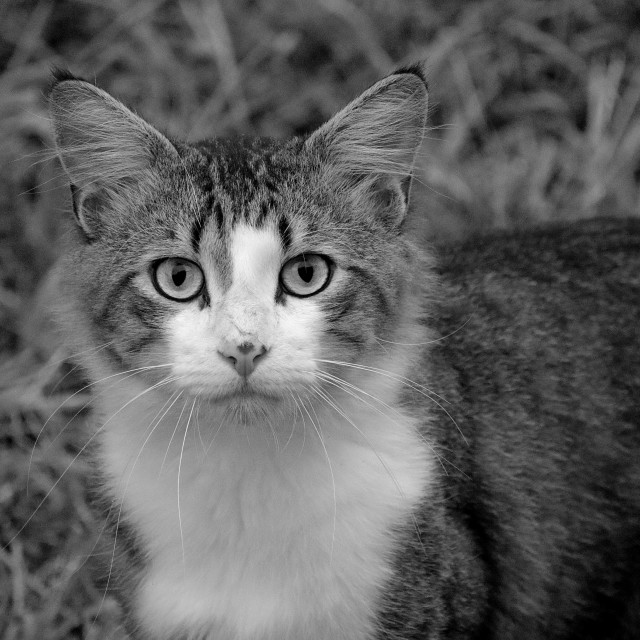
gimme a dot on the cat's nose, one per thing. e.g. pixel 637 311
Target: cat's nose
pixel 243 357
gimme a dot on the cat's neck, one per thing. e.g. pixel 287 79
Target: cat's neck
pixel 224 503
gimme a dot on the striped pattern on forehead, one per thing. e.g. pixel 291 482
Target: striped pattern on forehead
pixel 217 242
pixel 246 178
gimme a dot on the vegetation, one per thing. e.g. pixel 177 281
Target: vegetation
pixel 535 116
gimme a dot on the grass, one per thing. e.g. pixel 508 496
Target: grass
pixel 535 117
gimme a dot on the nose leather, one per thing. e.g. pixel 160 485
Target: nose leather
pixel 244 357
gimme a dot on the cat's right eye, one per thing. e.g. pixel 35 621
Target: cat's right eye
pixel 177 279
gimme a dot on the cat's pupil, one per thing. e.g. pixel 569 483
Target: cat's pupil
pixel 179 275
pixel 305 273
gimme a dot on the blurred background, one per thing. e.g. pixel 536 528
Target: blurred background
pixel 534 118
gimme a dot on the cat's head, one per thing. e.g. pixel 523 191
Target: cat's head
pixel 236 269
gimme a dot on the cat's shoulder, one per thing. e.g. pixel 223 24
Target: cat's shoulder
pixel 520 305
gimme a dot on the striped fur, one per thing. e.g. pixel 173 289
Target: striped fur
pixel 292 565
pixel 274 466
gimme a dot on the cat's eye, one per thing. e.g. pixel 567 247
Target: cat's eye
pixel 177 279
pixel 306 275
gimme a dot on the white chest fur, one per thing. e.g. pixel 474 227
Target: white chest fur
pixel 249 539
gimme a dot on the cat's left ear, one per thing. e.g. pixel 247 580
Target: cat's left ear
pixel 370 147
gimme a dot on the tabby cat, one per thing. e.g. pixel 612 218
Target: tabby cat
pixel 306 429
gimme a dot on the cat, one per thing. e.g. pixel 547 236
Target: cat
pixel 307 427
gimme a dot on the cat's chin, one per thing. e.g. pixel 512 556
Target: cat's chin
pixel 247 406
pixel 245 396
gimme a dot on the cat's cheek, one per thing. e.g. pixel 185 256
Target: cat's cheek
pixel 297 341
pixel 192 352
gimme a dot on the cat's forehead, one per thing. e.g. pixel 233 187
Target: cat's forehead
pixel 247 169
pixel 242 181
pixel 230 204
pixel 244 254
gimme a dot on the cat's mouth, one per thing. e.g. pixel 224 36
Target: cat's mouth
pixel 245 393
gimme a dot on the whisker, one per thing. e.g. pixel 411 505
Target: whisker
pixel 273 430
pixel 421 389
pixel 353 391
pixel 222 418
pixel 57 482
pixel 333 479
pixel 149 432
pixel 346 386
pixel 166 453
pixel 423 344
pixel 331 402
pixel 128 374
pixel 389 374
pixel 184 439
pixel 293 423
pixel 198 431
pixel 304 424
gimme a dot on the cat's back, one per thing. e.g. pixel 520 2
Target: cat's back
pixel 551 314
pixel 539 365
pixel 590 256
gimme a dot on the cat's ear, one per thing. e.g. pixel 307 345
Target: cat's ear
pixel 105 149
pixel 371 145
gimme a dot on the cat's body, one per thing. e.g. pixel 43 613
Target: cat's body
pixel 302 432
pixel 541 370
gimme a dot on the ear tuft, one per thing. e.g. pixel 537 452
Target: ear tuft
pixel 417 69
pixel 60 74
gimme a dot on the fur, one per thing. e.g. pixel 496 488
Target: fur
pixel 255 505
pixel 426 448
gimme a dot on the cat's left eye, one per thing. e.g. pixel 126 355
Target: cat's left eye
pixel 177 279
pixel 306 275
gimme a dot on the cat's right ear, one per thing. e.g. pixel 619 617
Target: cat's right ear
pixel 106 150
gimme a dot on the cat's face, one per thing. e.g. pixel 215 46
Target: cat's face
pixel 238 271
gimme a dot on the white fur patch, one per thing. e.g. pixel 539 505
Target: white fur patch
pixel 252 540
pixel 247 311
pixel 270 523
pixel 256 256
